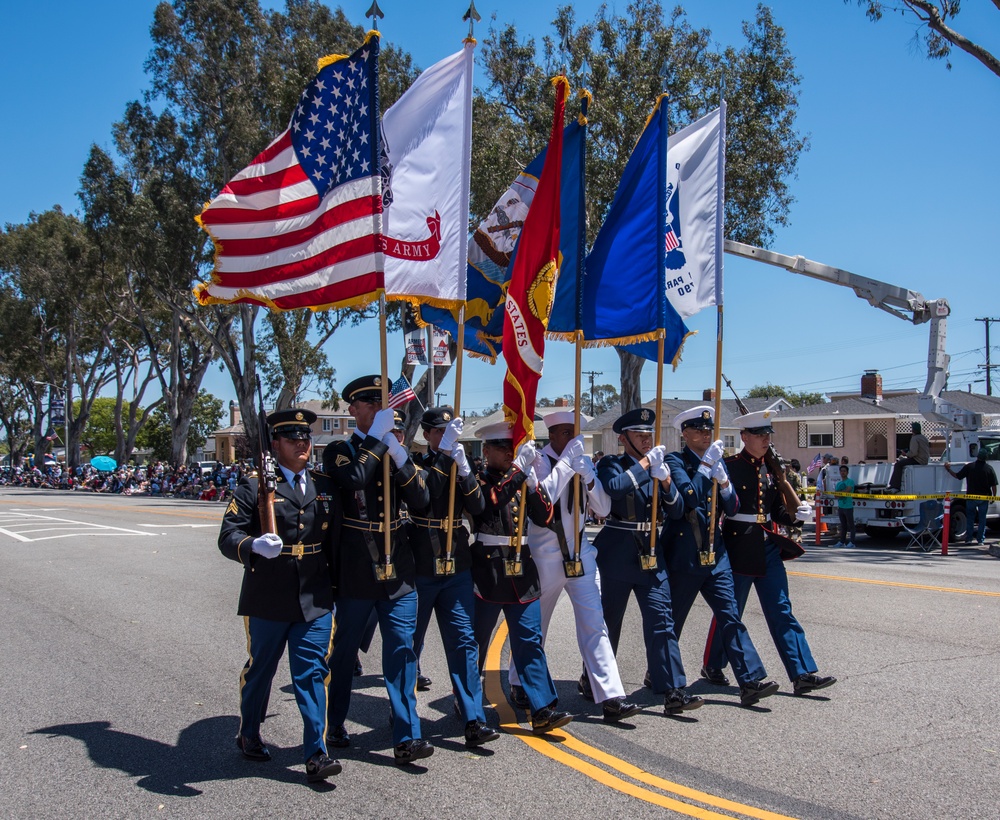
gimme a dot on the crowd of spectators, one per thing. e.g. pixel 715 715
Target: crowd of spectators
pixel 156 479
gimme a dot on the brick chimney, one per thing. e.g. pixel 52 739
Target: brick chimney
pixel 708 394
pixel 560 402
pixel 871 386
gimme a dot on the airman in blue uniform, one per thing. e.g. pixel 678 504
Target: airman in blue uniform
pixel 626 554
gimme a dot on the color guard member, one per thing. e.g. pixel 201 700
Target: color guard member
pixel 505 575
pixel 697 562
pixel 444 580
pixel 365 580
pixel 758 553
pixel 287 596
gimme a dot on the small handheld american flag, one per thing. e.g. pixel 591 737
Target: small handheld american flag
pixel 400 393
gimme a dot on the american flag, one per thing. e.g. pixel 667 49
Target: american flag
pixel 301 226
pixel 400 393
pixel 815 463
pixel 671 240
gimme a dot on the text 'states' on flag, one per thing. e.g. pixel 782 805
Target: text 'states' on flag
pixel 301 226
pixel 532 286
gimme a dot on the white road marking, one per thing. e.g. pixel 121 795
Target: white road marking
pixel 79 528
pixel 165 526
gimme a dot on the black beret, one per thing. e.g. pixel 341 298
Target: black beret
pixel 641 420
pixel 437 417
pixel 363 388
pixel 291 423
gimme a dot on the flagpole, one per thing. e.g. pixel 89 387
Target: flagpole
pixel 719 262
pixel 387 495
pixel 576 432
pixel 656 443
pixel 452 480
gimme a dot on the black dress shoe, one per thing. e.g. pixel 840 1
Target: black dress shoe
pixel 338 737
pixel 647 681
pixel 519 697
pixel 547 719
pixel 583 687
pixel 811 682
pixel 359 670
pixel 751 692
pixel 253 748
pixel 616 709
pixel 423 683
pixel 412 750
pixel 320 766
pixel 477 733
pixel 713 675
pixel 677 700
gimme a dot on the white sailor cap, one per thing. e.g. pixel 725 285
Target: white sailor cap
pixel 560 417
pixel 498 431
pixel 759 422
pixel 700 417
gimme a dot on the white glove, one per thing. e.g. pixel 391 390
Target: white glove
pixel 659 472
pixel 573 449
pixel 803 512
pixel 719 472
pixel 451 434
pixel 396 450
pixel 525 456
pixel 584 467
pixel 267 546
pixel 458 454
pixel 656 456
pixel 383 422
pixel 532 479
pixel 714 452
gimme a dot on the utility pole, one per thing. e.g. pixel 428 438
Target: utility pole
pixel 987 322
pixel 437 398
pixel 592 374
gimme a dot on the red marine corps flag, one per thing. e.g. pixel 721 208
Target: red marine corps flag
pixel 532 286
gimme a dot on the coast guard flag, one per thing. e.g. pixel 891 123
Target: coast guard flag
pixel 427 143
pixel 532 287
pixel 301 226
pixel 624 294
pixel 696 180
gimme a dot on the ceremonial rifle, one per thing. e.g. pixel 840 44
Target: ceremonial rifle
pixel 267 481
pixel 772 461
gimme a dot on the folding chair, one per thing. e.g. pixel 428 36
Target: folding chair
pixel 926 534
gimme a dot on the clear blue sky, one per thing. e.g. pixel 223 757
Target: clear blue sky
pixel 899 184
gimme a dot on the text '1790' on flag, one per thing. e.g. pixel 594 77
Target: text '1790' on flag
pixel 301 226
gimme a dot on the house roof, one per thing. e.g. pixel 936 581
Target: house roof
pixel 671 407
pixel 842 408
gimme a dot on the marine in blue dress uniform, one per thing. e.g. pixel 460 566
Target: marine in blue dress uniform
pixel 287 597
pixel 444 575
pixel 626 555
pixel 506 578
pixel 363 579
pixel 758 553
pixel 696 561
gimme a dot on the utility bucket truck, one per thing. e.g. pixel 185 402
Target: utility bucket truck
pixel 881 518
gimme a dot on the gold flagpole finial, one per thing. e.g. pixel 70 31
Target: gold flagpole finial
pixel 472 16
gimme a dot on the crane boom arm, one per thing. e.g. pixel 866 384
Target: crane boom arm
pixel 902 303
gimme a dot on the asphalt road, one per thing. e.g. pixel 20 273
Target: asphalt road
pixel 122 650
